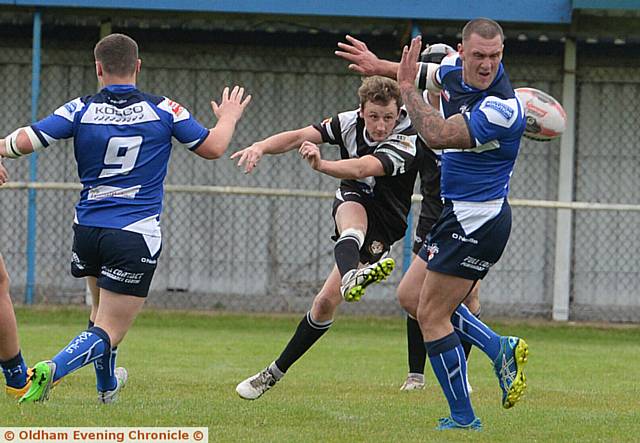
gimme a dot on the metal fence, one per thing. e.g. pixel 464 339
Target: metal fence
pixel 271 253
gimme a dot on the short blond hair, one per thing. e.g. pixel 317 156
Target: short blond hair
pixel 379 90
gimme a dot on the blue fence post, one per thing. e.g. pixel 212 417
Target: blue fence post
pixel 33 161
pixel 407 244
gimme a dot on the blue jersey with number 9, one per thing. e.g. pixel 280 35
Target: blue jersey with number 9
pixel 122 143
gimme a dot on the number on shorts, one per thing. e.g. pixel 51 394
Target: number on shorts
pixel 121 155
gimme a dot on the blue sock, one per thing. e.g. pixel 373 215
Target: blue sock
pixel 447 360
pixel 15 371
pixel 88 346
pixel 105 380
pixel 471 329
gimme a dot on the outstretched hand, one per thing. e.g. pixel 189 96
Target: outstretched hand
pixel 363 61
pixel 311 153
pixel 249 157
pixel 408 67
pixel 231 105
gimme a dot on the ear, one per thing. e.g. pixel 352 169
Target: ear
pixel 98 69
pixel 138 66
pixel 461 50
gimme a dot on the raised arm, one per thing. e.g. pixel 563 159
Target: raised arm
pixel 363 61
pixel 437 132
pixel 17 144
pixel 276 144
pixel 228 113
pixel 352 168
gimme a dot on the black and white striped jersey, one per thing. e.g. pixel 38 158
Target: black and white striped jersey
pixel 402 155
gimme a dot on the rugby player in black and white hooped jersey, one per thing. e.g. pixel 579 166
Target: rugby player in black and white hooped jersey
pixel 380 158
pixel 408 291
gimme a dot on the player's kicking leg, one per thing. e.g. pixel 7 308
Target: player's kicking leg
pixel 352 223
pixel 313 326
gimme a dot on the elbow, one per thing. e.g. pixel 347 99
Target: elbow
pixel 213 153
pixel 361 172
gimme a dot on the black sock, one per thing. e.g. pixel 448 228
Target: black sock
pixel 347 252
pixel 415 347
pixel 466 346
pixel 90 324
pixel 307 333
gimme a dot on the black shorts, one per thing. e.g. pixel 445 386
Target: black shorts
pixel 430 211
pixel 468 251
pixel 378 238
pixel 120 260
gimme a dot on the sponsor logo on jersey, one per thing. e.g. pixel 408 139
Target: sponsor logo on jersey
pixel 500 107
pixel 71 106
pixel 176 107
pixel 403 143
pixel 106 114
pixel 148 260
pixel 102 192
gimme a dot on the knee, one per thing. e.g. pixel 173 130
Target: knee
pixel 408 300
pixel 473 301
pixel 324 306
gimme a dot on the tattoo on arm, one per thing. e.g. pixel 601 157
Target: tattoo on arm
pixel 434 129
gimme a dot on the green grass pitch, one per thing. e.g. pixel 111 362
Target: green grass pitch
pixel 583 382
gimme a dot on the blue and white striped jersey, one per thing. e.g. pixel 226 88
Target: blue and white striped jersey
pixel 122 144
pixel 496 122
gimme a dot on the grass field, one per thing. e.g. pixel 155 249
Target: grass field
pixel 583 382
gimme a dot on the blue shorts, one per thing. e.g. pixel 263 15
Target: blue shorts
pixel 120 260
pixel 468 238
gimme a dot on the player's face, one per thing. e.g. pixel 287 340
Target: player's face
pixel 379 120
pixel 480 60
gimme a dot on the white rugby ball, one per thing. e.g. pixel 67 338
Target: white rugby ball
pixel 546 119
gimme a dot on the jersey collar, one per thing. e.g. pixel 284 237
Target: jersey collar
pixel 119 89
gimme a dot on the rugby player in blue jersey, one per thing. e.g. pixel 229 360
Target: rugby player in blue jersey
pixel 122 143
pixel 479 132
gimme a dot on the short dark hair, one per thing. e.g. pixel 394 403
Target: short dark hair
pixel 118 54
pixel 484 27
pixel 380 90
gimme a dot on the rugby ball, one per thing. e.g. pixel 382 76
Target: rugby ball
pixel 546 119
